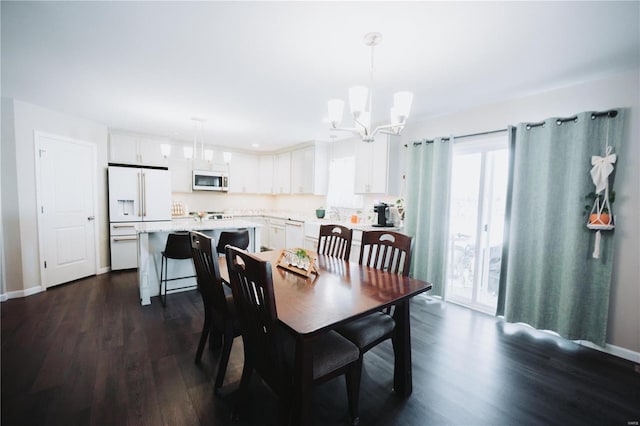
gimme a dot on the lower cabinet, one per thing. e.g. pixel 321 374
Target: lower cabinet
pixel 310 243
pixel 356 241
pixel 276 233
pixel 294 234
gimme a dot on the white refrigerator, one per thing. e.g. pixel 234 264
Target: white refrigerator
pixel 136 194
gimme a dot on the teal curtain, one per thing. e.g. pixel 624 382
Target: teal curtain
pixel 552 280
pixel 427 209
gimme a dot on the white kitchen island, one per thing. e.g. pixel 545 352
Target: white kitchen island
pixel 152 238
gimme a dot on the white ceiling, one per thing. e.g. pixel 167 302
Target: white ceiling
pixel 262 72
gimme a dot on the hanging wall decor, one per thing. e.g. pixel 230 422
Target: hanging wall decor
pixel 601 215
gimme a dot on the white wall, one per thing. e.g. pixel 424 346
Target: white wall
pixel 622 90
pixel 20 216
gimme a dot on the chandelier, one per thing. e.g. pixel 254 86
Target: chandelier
pixel 360 100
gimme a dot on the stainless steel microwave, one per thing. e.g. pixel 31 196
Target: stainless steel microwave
pixel 204 180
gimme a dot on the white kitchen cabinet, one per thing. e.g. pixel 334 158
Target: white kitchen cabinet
pixel 243 174
pixel 181 173
pixel 276 233
pixel 294 234
pixel 282 173
pixel 128 148
pixel 356 243
pixel 376 165
pixel 265 174
pixel 310 170
pixel 200 163
pixel 310 243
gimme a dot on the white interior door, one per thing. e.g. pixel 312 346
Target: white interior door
pixel 66 197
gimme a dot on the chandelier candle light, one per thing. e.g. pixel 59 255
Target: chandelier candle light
pixel 360 98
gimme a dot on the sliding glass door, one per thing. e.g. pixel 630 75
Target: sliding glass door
pixel 478 193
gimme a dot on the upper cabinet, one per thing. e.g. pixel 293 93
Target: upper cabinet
pixel 265 174
pixel 282 173
pixel 126 148
pixel 377 168
pixel 243 174
pixel 310 170
pixel 181 172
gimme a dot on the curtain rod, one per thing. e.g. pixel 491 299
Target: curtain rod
pixel 610 114
pixel 488 132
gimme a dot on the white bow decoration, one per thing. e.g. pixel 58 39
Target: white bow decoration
pixel 602 168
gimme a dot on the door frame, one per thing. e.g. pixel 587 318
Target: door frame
pixel 37 145
pixel 482 145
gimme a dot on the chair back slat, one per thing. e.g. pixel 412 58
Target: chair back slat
pixel 335 241
pixel 208 272
pixel 386 250
pixel 252 287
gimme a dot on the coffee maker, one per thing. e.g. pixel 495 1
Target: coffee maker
pixel 382 215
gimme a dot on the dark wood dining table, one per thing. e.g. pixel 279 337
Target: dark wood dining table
pixel 341 292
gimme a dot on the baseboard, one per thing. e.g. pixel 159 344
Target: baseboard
pixel 103 270
pixel 618 351
pixel 20 293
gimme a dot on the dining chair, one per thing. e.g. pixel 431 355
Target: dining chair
pixel 335 241
pixel 269 348
pixel 176 248
pixel 239 238
pixel 389 251
pixel 220 319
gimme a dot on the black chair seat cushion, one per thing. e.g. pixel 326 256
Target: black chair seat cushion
pixel 364 331
pixel 331 351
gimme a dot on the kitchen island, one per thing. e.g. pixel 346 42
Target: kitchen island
pixel 152 238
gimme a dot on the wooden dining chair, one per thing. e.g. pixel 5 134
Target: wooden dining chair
pixel 269 348
pixel 335 241
pixel 221 324
pixel 389 251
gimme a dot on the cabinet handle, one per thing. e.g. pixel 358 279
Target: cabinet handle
pixel 144 194
pixel 139 194
pixel 120 239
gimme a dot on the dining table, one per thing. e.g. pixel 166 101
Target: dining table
pixel 340 291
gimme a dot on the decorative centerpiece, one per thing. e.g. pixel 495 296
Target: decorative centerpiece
pixel 298 260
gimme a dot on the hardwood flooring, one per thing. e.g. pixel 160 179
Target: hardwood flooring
pixel 86 353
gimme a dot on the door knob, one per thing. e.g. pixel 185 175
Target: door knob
pixel 91 218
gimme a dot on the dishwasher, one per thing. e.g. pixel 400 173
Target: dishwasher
pixel 293 234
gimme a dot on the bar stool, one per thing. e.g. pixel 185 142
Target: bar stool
pixel 178 247
pixel 239 239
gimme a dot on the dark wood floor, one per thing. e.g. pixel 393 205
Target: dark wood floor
pixel 88 353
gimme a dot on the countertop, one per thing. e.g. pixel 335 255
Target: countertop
pixel 192 225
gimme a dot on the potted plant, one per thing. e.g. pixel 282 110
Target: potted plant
pixel 320 212
pixel 603 217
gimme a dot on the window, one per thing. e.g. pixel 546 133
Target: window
pixel 341 183
pixel 478 192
